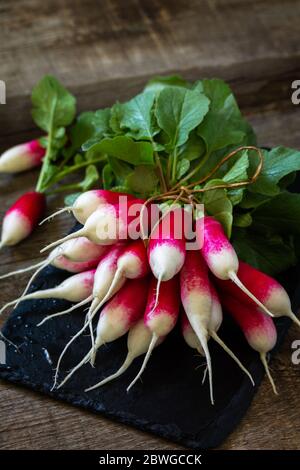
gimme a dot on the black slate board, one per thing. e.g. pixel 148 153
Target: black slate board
pixel 170 401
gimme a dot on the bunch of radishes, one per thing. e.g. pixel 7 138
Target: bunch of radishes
pixel 139 285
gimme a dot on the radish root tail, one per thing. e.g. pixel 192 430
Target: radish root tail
pixel 123 368
pixel 81 363
pixel 234 278
pixel 202 336
pixel 60 211
pixel 68 310
pixel 292 316
pixel 21 271
pixel 265 364
pixel 67 347
pixel 71 236
pixel 218 340
pixel 147 357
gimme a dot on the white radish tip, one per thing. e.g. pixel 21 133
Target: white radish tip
pixel 71 236
pixel 60 211
pixel 147 357
pixel 218 340
pixel 120 371
pixel 202 336
pixel 64 312
pixel 292 316
pixel 234 278
pixel 265 364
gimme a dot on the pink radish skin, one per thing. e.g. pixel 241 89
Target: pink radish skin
pixel 196 299
pixel 138 342
pixel 160 317
pixel 258 328
pixel 265 288
pixel 74 289
pixel 118 316
pixel 89 201
pixel 221 257
pixel 23 216
pixel 107 225
pixel 22 157
pixel 166 249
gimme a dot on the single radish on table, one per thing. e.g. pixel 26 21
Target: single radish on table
pixel 265 288
pixel 89 201
pixel 22 157
pixel 258 328
pixel 22 217
pixel 118 316
pixel 166 249
pixel 138 342
pixel 160 316
pixel 220 256
pixel 74 289
pixel 108 224
pixel 196 299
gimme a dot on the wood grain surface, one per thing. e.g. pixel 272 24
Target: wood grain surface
pixel 106 50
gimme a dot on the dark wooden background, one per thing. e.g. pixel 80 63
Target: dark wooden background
pixel 105 50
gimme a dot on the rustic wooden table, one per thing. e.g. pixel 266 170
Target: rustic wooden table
pixel 103 51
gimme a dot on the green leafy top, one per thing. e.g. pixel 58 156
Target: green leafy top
pixel 173 134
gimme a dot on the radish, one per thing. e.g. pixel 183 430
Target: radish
pixel 214 324
pixel 74 289
pixel 22 217
pixel 221 257
pixel 265 288
pixel 258 328
pixel 104 276
pixel 89 201
pixel 131 263
pixel 118 316
pixel 107 224
pixel 166 249
pixel 74 256
pixel 160 317
pixel 196 299
pixel 22 157
pixel 138 342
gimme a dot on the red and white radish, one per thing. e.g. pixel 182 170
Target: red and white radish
pixel 89 201
pixel 138 341
pixel 258 328
pixel 74 289
pixel 22 217
pixel 74 256
pixel 22 157
pixel 166 249
pixel 196 299
pixel 265 288
pixel 221 257
pixel 160 316
pixel 131 263
pixel 118 316
pixel 104 276
pixel 107 225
